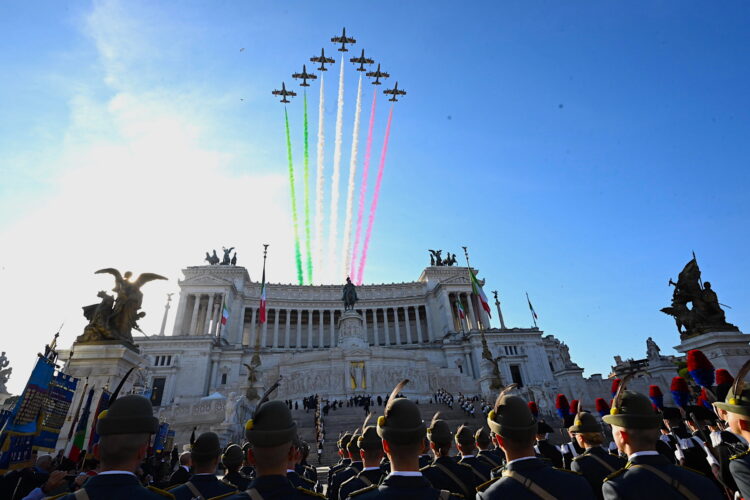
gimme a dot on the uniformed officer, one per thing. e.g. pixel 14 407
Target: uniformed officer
pixel 297 480
pixel 371 452
pixel 182 474
pixel 354 468
pixel 546 449
pixel 425 458
pixel 232 460
pixel 736 409
pixel 402 430
pixel 687 451
pixel 270 433
pixel 344 460
pixel 247 470
pixel 635 429
pixel 125 431
pixel 525 476
pixel 466 443
pixel 205 455
pixel 303 468
pixel 485 453
pixel 571 449
pixel 445 473
pixel 595 463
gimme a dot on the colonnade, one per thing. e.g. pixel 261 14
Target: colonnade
pixel 201 313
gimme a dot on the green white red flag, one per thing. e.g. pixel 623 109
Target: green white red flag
pixel 224 313
pixel 476 288
pixel 263 296
pixel 461 312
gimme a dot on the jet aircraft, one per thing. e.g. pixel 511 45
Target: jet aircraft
pixel 343 40
pixel 323 60
pixel 305 76
pixel 284 93
pixel 395 91
pixel 361 60
pixel 378 75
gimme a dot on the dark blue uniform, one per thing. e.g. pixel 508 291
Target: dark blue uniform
pixel 633 482
pixel 403 487
pixel 589 466
pixel 118 487
pixel 424 461
pixel 237 479
pixel 362 480
pixel 276 488
pixel 562 484
pixel 442 481
pixel 341 476
pixel 480 468
pixel 550 452
pixel 739 467
pixel 300 481
pixel 208 485
pixel 492 458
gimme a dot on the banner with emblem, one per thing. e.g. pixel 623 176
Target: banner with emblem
pixel 25 420
pixel 169 442
pixel 161 437
pixel 59 398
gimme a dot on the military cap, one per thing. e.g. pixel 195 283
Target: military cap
pixel 511 418
pixel 585 422
pixel 482 437
pixel 544 428
pixel 401 422
pixel 671 413
pixel 232 456
pixel 439 432
pixel 632 410
pixel 271 425
pixel 699 413
pixel 343 441
pixel 206 447
pixel 353 445
pixel 464 436
pixel 368 439
pixel 738 397
pixel 128 415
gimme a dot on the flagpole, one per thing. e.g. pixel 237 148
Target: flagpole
pixel 473 303
pixel 531 309
pixel 256 354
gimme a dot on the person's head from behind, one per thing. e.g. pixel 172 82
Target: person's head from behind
pixel 402 431
pixel 232 458
pixel 635 424
pixel 465 441
pixel 205 453
pixel 586 430
pixel 125 431
pixel 513 424
pixel 270 434
pixel 370 446
pixel 45 463
pixel 185 459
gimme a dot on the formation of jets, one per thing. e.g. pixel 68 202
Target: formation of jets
pixel 323 60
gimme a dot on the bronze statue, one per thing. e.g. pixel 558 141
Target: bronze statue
pixel 436 258
pixel 5 372
pixel 350 295
pixel 115 318
pixel 705 315
pixel 212 259
pixel 226 260
pixel 234 259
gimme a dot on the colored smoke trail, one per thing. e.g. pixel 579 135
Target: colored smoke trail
pixel 308 254
pixel 298 258
pixel 319 183
pixel 335 177
pixel 363 187
pixel 375 197
pixel 352 174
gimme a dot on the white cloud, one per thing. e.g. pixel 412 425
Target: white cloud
pixel 138 190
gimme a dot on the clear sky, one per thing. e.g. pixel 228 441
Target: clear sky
pixel 580 150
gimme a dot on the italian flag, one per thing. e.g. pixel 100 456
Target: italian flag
pixel 224 313
pixel 263 297
pixel 461 312
pixel 476 288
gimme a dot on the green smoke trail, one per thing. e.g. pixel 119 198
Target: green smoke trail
pixel 308 250
pixel 298 258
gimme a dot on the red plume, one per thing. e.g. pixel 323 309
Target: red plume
pixel 561 402
pixel 574 405
pixel 696 359
pixel 679 384
pixel 723 377
pixel 602 408
pixel 654 391
pixel 615 386
pixel 533 408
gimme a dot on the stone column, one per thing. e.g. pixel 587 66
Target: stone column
pixel 298 344
pixel 467 364
pixel 249 337
pixel 448 311
pixel 398 328
pixel 386 327
pixel 470 311
pixel 430 329
pixel 418 315
pixel 333 327
pixel 264 331
pixel 408 325
pixel 209 314
pixel 276 327
pixel 310 329
pixel 194 317
pixel 179 319
pixel 364 325
pixel 375 327
pixel 321 329
pixel 286 328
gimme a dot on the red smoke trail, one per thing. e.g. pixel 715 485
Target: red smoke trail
pixel 363 187
pixel 375 197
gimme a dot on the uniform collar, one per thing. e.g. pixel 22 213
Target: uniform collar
pixel 637 454
pixel 515 461
pixel 108 472
pixel 370 468
pixel 406 473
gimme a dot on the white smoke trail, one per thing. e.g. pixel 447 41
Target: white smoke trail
pixel 352 174
pixel 319 187
pixel 333 230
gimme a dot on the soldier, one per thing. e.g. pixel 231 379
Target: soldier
pixel 182 474
pixel 544 448
pixel 354 468
pixel 203 483
pixel 371 451
pixel 303 468
pixel 295 458
pixel 594 463
pixel 344 461
pixel 688 452
pixel 270 433
pixel 525 476
pixel 125 431
pixel 483 442
pixel 736 409
pixel 425 458
pixel 465 443
pixel 247 470
pixel 445 473
pixel 635 429
pixel 232 459
pixel 571 449
pixel 402 430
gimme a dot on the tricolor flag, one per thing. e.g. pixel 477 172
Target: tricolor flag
pixel 476 288
pixel 263 296
pixel 461 312
pixel 224 313
pixel 80 436
pixel 531 308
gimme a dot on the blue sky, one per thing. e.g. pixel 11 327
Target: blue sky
pixel 581 151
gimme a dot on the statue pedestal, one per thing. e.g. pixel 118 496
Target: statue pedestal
pixel 351 332
pixel 100 365
pixel 728 350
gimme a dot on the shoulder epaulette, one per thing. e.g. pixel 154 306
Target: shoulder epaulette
pixel 579 457
pixel 568 471
pixel 363 490
pixel 464 465
pixel 58 496
pixel 486 484
pixel 225 495
pixel 311 493
pixel 160 492
pixel 225 481
pixel 615 474
pixel 498 468
pixel 740 455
